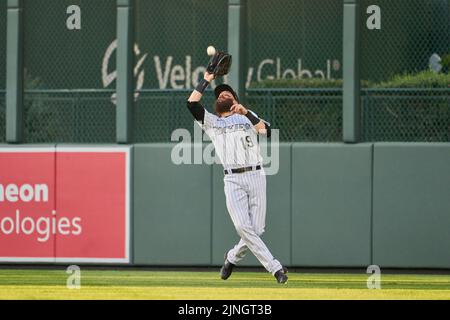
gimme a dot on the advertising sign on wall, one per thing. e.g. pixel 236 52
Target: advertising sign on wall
pixel 64 205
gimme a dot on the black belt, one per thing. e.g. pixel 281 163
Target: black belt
pixel 241 170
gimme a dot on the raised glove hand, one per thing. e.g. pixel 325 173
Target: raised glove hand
pixel 220 64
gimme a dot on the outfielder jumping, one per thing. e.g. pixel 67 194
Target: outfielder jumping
pixel 233 131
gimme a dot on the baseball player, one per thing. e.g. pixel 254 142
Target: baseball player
pixel 233 131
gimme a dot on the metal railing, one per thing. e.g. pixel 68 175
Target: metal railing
pixel 305 115
pixel 406 115
pixel 59 116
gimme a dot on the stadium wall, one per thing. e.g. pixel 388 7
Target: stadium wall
pixel 330 205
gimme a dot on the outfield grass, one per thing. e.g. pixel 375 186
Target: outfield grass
pixel 125 284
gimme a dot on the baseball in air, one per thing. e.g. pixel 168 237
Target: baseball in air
pixel 211 51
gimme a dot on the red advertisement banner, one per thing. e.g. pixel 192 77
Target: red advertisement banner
pixel 64 205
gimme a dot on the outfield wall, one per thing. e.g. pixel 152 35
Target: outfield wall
pixel 330 205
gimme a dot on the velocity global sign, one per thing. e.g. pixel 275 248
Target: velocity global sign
pixel 178 71
pixel 64 204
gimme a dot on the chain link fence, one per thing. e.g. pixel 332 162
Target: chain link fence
pixel 411 31
pixel 62 58
pixel 2 70
pixel 171 57
pixel 301 42
pixel 2 44
pixel 420 115
pixel 300 115
pixel 397 57
pixel 173 36
pixel 66 117
pixel 2 116
pixel 58 58
pixel 172 47
pixel 293 68
pixel 293 41
pixel 158 113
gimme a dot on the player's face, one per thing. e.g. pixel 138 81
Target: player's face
pixel 226 95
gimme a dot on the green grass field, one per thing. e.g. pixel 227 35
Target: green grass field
pixel 242 285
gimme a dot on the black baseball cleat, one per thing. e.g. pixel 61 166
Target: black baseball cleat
pixel 281 276
pixel 227 269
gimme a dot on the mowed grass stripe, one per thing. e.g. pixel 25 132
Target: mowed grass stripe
pixel 201 293
pixel 51 284
pixel 148 277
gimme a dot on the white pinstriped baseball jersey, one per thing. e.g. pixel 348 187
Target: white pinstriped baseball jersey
pixel 235 140
pixel 236 143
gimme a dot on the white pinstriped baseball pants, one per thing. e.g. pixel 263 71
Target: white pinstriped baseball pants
pixel 246 203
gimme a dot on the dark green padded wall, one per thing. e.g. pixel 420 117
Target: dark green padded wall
pixel 331 200
pixel 411 212
pixel 172 209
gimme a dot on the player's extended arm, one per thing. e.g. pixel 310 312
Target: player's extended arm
pixel 193 103
pixel 260 125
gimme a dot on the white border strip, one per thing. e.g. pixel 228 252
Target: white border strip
pixel 69 260
pixel 92 149
pixel 27 150
pixel 127 151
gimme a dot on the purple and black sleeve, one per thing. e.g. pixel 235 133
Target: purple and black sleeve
pixel 255 120
pixel 197 110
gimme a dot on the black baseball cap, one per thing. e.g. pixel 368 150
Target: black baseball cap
pixel 224 87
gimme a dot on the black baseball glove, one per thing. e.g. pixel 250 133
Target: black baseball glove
pixel 220 64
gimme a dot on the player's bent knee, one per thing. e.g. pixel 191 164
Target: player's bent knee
pixel 260 232
pixel 244 230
